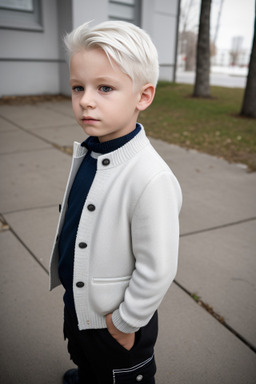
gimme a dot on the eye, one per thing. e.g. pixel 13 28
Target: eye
pixel 77 88
pixel 105 89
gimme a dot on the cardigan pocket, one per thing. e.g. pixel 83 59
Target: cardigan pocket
pixel 109 280
pixel 106 294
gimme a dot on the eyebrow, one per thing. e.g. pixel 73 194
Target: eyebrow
pixel 102 79
pixel 106 79
pixel 73 80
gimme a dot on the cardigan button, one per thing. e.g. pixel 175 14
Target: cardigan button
pixel 91 207
pixel 105 162
pixel 139 378
pixel 82 245
pixel 80 284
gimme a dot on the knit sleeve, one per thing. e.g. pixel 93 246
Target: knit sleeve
pixel 155 240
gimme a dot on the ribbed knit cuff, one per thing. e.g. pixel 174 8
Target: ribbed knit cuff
pixel 120 324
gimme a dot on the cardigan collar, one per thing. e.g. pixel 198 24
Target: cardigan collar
pixel 92 143
pixel 119 156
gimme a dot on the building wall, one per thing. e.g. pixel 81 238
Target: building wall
pixel 87 10
pixel 33 61
pixel 159 19
pixel 65 24
pixel 29 58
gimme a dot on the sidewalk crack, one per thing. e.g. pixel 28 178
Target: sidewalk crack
pixel 24 245
pixel 216 316
pixel 218 227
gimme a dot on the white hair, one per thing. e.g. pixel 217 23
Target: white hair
pixel 128 45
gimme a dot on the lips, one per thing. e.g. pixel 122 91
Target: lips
pixel 89 118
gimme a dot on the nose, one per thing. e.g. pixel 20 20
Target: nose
pixel 87 100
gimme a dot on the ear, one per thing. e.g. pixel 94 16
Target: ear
pixel 146 96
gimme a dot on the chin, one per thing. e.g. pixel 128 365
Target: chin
pixel 90 131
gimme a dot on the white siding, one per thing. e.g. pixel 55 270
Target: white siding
pixel 159 19
pixel 29 59
pixel 88 10
pixel 29 78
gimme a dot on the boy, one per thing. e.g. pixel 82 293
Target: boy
pixel 117 240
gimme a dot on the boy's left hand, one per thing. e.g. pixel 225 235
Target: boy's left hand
pixel 125 339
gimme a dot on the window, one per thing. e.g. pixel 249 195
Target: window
pixel 22 5
pixel 127 10
pixel 21 14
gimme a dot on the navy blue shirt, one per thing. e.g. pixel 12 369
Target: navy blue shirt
pixel 78 194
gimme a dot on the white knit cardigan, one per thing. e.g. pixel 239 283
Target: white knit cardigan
pixel 129 230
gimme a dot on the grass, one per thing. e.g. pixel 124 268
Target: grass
pixel 209 125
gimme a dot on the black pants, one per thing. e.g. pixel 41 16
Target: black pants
pixel 102 360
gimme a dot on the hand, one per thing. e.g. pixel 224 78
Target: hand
pixel 125 339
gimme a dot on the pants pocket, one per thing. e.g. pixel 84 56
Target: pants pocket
pixel 141 373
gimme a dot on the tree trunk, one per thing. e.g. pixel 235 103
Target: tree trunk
pixel 249 102
pixel 202 83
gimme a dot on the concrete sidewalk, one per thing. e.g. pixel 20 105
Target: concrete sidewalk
pixel 217 258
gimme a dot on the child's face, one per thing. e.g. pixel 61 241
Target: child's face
pixel 103 99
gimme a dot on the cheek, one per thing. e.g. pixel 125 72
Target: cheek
pixel 75 106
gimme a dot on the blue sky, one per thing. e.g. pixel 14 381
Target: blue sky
pixel 237 19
